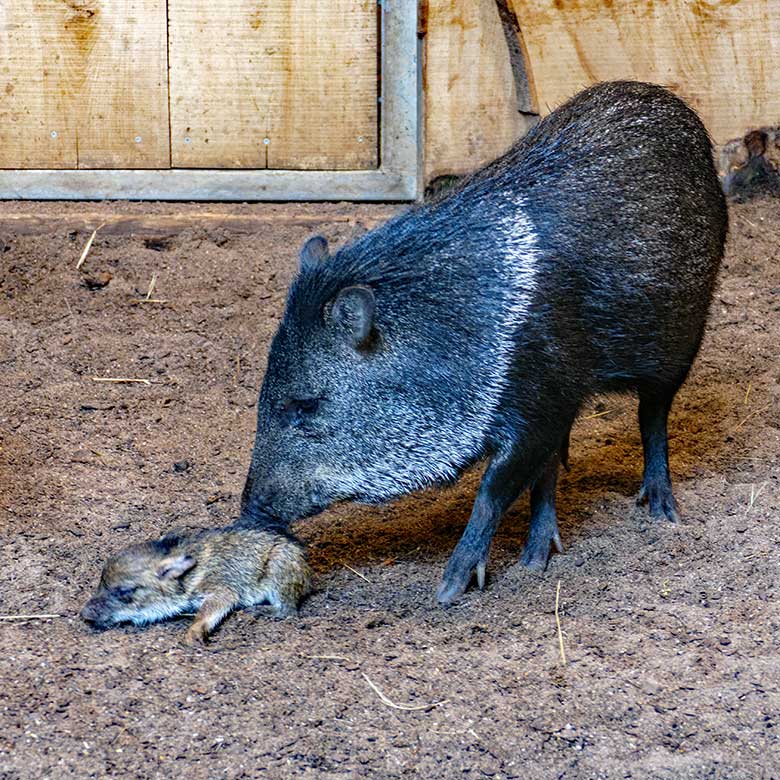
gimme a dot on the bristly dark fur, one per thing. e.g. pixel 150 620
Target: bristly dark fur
pixel 167 543
pixel 582 261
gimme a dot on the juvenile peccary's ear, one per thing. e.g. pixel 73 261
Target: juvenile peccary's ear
pixel 174 567
pixel 314 252
pixel 171 540
pixel 353 314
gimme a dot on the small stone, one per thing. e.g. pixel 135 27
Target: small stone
pixel 181 466
pixel 97 281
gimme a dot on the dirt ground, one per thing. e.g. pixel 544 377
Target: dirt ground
pixel 671 632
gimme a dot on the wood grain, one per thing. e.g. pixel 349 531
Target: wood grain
pixel 471 104
pixel 289 84
pixel 167 226
pixel 722 56
pixel 83 84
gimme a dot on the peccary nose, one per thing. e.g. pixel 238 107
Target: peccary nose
pixel 91 612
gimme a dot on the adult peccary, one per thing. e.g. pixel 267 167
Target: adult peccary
pixel 475 327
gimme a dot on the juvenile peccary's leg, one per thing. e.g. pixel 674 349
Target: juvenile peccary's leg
pixel 543 531
pixel 504 479
pixel 214 609
pixel 654 405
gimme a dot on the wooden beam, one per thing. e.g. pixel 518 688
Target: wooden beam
pixel 155 225
pixel 208 185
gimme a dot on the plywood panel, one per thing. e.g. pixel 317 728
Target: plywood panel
pixel 289 84
pixel 471 105
pixel 83 84
pixel 723 56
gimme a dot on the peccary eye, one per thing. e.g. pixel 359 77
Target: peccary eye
pixel 295 411
pixel 124 593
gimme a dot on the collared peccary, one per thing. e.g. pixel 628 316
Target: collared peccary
pixel 475 327
pixel 213 572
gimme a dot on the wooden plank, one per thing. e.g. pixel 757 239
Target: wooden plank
pixel 122 104
pixel 83 84
pixel 36 130
pixel 254 185
pixel 160 225
pixel 471 103
pixel 286 85
pixel 720 55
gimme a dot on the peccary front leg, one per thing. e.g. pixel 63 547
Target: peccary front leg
pixel 214 609
pixel 543 531
pixel 505 478
pixel 654 405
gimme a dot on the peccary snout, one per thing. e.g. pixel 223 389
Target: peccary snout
pixel 95 611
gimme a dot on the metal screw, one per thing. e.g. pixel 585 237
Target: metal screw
pixel 138 139
pixel 360 139
pixel 53 133
pixel 266 141
pixel 187 140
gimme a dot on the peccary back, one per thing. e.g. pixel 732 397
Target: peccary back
pixel 475 326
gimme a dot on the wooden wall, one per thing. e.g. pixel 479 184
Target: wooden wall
pixel 83 84
pixel 471 101
pixel 723 56
pixel 86 84
pixel 288 84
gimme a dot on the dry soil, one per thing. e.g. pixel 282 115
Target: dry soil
pixel 671 631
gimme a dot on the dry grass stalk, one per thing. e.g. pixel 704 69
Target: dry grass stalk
pixel 152 285
pixel 754 494
pixel 597 414
pixel 558 623
pixel 88 246
pixel 355 571
pixel 405 707
pixel 28 617
pixel 149 293
pixel 121 380
pixel 752 414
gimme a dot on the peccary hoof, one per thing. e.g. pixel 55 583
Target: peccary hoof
pixel 660 500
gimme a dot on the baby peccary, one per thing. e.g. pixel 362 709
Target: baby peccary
pixel 213 572
pixel 475 326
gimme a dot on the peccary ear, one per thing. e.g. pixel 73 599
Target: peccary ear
pixel 168 542
pixel 353 313
pixel 314 252
pixel 174 567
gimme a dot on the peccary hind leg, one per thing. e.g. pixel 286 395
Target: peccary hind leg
pixel 505 478
pixel 543 530
pixel 656 491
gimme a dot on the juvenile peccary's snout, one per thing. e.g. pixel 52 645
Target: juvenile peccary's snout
pixel 474 327
pixel 212 572
pixel 99 611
